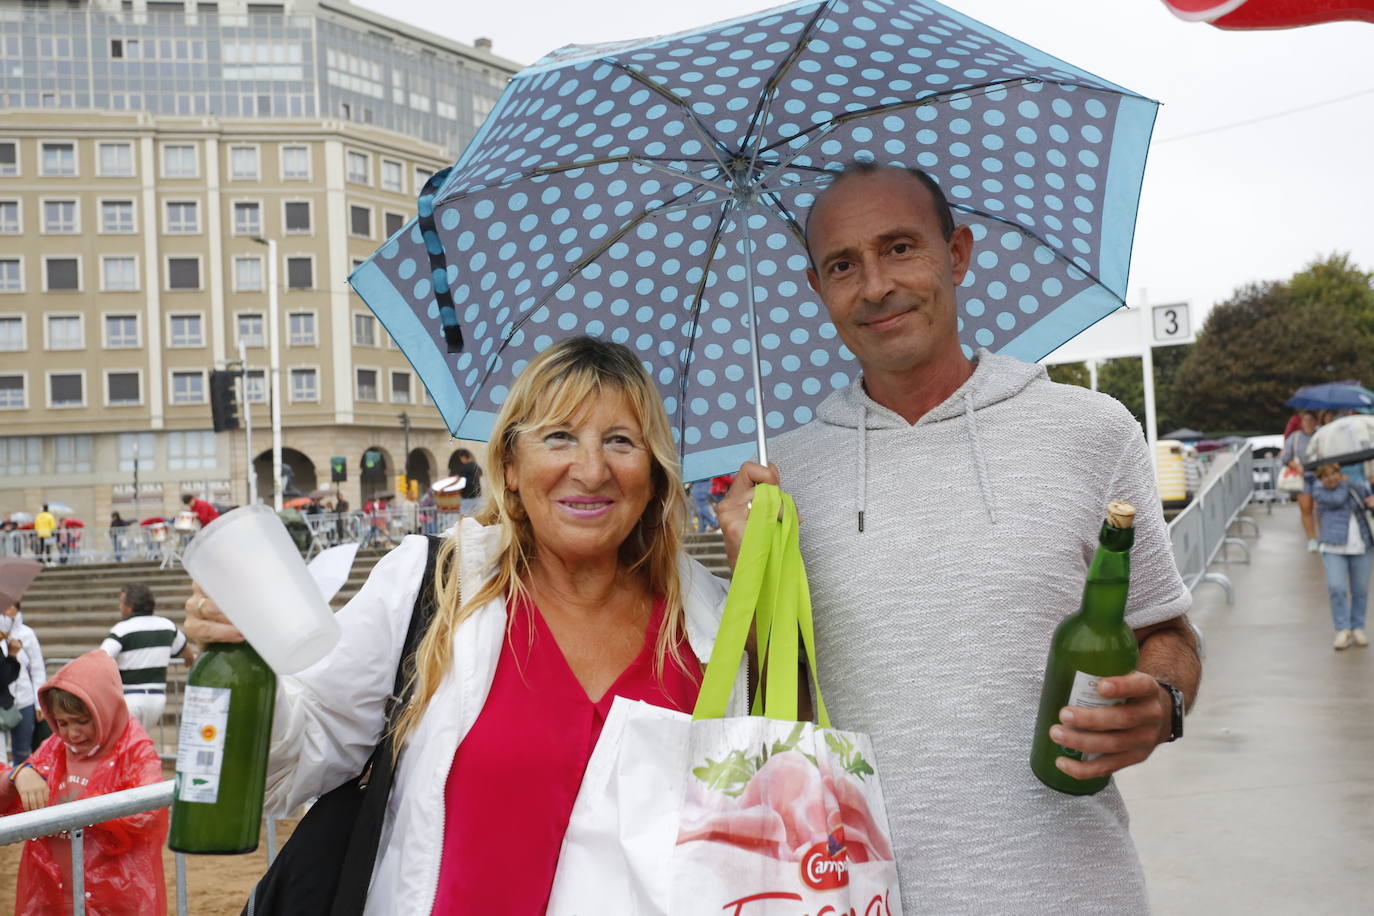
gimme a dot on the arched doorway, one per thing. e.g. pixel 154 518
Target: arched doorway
pixel 375 472
pixel 420 467
pixel 297 470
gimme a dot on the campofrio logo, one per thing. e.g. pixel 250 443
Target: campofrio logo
pixel 825 866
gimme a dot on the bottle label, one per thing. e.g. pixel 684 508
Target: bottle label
pixel 200 744
pixel 1084 694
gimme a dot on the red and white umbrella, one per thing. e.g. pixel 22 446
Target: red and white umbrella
pixel 1270 14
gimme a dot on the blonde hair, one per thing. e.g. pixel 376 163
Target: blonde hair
pixel 554 389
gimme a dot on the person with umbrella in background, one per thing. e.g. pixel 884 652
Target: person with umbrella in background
pixel 1294 452
pixel 959 543
pixel 16 573
pixel 1345 550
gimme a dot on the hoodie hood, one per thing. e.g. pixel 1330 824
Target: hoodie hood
pixel 995 379
pixel 94 679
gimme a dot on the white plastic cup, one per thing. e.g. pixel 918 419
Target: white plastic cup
pixel 246 562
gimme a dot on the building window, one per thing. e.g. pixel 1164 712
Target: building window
pixel 179 160
pixel 117 216
pixel 72 454
pixel 247 218
pixel 188 387
pixel 20 455
pixel 59 216
pixel 191 450
pixel 393 177
pixel 297 215
pixel 183 273
pixel 185 331
pixel 9 218
pixel 122 389
pixel 183 217
pixel 62 274
pixel 255 386
pixel 358 168
pixel 11 333
pixel 251 332
pixel 421 176
pixel 248 275
pixel 300 273
pixel 119 274
pixel 364 330
pixel 121 332
pixel 305 385
pixel 12 393
pixel 243 163
pixel 300 329
pixel 11 276
pixel 59 159
pixel 115 160
pixel 295 163
pixel 360 221
pixel 67 389
pixel 367 384
pixel 9 158
pixel 394 222
pixel 65 332
pixel 137 448
pixel 400 387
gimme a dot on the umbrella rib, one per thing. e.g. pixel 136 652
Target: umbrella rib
pixel 695 323
pixel 542 171
pixel 544 300
pixel 770 90
pixel 710 139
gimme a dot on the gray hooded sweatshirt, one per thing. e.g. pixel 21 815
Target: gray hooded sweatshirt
pixel 934 613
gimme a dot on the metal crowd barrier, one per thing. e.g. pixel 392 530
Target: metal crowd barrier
pixel 1202 531
pixel 73 817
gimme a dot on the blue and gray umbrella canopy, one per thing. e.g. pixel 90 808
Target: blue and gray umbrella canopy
pixel 1348 395
pixel 653 193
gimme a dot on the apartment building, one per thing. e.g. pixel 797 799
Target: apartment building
pixel 148 152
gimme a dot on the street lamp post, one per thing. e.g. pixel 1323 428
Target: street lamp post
pixel 274 366
pixel 247 423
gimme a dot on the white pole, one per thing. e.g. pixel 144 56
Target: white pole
pixel 274 370
pixel 247 424
pixel 1092 374
pixel 1147 364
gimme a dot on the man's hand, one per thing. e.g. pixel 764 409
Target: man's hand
pixel 733 510
pixel 1124 734
pixel 33 789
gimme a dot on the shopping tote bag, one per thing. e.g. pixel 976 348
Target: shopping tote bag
pixel 758 815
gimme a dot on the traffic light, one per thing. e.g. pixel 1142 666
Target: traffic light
pixel 338 469
pixel 224 402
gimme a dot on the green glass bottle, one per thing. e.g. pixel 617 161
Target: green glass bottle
pixel 1091 644
pixel 226 732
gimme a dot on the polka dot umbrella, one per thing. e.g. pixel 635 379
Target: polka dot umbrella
pixel 653 193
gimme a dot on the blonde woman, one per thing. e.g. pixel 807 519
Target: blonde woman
pixel 569 589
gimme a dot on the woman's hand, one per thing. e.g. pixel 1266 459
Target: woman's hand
pixel 33 789
pixel 14 647
pixel 733 510
pixel 205 622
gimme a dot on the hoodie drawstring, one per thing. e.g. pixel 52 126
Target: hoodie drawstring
pixel 980 468
pixel 862 476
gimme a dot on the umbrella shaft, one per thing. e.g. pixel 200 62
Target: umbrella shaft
pixel 754 337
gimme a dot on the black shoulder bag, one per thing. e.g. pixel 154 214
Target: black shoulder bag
pixel 326 865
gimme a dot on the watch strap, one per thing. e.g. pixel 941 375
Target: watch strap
pixel 1176 721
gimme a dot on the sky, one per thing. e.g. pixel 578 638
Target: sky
pixel 1261 156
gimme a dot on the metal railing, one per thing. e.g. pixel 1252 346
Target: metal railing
pixel 1202 531
pixel 72 818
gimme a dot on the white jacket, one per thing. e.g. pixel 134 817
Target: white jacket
pixel 32 670
pixel 329 717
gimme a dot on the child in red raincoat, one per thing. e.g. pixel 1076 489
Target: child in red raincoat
pixel 96 748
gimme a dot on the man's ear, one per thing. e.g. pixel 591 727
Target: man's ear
pixel 813 280
pixel 960 252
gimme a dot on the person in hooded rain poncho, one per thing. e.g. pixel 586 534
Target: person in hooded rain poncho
pixel 96 748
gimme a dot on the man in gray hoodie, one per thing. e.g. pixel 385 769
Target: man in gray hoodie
pixel 950 508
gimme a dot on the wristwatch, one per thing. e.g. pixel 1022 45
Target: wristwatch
pixel 1176 724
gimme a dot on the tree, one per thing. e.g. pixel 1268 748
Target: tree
pixel 1070 374
pixel 1269 339
pixel 1124 379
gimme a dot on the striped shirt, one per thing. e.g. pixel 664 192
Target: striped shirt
pixel 141 646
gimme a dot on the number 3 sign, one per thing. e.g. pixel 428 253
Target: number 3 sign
pixel 1171 324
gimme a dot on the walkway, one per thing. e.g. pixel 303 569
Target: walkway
pixel 1267 805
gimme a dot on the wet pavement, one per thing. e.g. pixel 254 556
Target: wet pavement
pixel 1267 804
